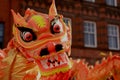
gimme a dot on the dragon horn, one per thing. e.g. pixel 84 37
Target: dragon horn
pixel 52 9
pixel 18 19
pixel 15 17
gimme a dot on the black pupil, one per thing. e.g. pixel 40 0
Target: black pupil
pixel 28 36
pixel 57 28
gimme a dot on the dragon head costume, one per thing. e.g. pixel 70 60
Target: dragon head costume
pixel 39 51
pixel 43 38
pixel 39 39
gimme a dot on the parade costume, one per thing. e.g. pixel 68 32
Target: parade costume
pixel 40 48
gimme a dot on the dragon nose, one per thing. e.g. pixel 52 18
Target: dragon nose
pixel 51 47
pixel 54 47
pixel 48 50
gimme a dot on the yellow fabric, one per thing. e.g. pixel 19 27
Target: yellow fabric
pixel 17 67
pixel 39 20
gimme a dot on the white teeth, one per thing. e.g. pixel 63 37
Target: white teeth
pixel 54 61
pixel 61 62
pixel 64 58
pixel 51 65
pixel 56 57
pixel 51 58
pixel 43 62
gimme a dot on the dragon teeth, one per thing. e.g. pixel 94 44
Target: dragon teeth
pixel 51 65
pixel 43 62
pixel 54 61
pixel 64 58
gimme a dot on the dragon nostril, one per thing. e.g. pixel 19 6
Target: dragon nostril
pixel 44 52
pixel 58 47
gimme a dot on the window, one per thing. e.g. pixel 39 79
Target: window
pixel 111 2
pixel 90 34
pixel 66 20
pixel 113 37
pixel 90 0
pixel 1 34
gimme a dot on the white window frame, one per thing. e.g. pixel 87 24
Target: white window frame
pixel 88 44
pixel 90 0
pixel 110 2
pixel 113 36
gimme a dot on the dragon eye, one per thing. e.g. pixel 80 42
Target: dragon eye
pixel 27 34
pixel 56 26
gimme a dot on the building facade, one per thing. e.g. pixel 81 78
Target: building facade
pixel 95 24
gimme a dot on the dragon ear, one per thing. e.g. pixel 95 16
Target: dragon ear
pixel 52 9
pixel 18 19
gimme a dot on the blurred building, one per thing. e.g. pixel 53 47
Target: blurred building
pixel 95 24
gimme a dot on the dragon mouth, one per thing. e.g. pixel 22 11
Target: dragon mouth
pixel 55 61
